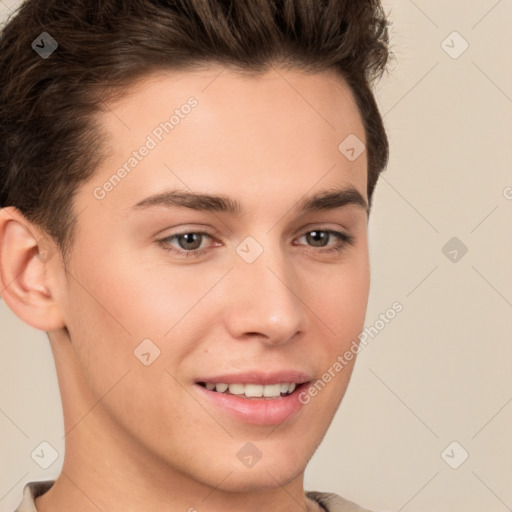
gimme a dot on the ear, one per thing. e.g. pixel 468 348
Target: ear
pixel 28 263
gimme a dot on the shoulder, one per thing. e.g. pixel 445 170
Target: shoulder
pixel 30 492
pixel 334 503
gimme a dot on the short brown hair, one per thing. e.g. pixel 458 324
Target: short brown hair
pixel 49 142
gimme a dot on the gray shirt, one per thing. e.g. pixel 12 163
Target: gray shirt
pixel 329 501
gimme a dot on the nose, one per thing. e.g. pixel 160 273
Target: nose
pixel 264 302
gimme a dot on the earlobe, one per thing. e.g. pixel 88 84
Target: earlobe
pixel 25 261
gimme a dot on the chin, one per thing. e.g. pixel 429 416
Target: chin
pixel 275 468
pixel 263 478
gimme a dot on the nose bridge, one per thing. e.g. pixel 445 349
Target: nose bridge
pixel 265 300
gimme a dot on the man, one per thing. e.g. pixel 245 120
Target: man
pixel 186 188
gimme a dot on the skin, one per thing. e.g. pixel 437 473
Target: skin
pixel 141 437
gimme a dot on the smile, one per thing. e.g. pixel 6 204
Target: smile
pixel 269 403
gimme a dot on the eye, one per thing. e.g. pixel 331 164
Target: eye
pixel 190 241
pixel 186 244
pixel 320 238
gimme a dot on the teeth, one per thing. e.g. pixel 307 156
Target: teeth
pixel 288 388
pixel 236 389
pixel 272 390
pixel 254 390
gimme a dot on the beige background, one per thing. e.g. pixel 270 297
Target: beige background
pixel 441 370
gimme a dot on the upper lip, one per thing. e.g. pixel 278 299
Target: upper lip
pixel 258 377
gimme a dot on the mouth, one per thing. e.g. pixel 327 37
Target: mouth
pixel 255 398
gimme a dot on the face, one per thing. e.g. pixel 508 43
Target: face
pixel 211 267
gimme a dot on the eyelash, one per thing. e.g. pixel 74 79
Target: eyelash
pixel 164 242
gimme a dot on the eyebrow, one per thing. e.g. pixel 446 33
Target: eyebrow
pixel 323 201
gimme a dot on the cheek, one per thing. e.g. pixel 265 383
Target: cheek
pixel 341 298
pixel 120 301
pixel 340 303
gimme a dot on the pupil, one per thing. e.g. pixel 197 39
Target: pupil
pixel 317 236
pixel 190 238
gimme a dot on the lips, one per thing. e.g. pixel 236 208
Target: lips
pixel 255 397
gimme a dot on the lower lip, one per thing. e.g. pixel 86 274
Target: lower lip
pixel 257 411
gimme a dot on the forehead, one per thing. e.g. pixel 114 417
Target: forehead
pixel 225 95
pixel 243 131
